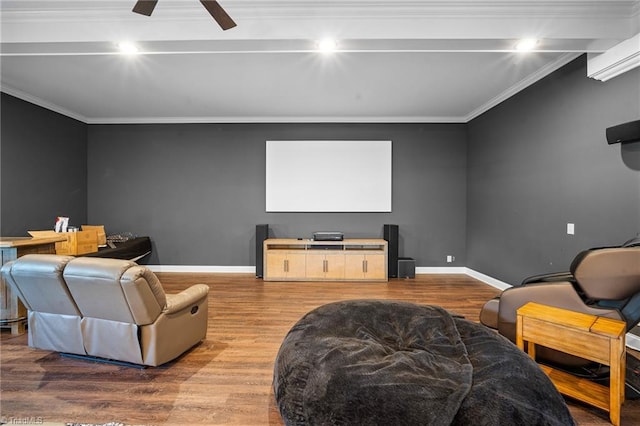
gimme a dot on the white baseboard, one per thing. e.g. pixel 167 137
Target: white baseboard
pixel 501 285
pixel 440 270
pixel 633 341
pixel 252 270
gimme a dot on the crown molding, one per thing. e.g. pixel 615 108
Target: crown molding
pixel 268 119
pixel 523 84
pixel 511 91
pixel 220 120
pixel 42 103
pixel 78 27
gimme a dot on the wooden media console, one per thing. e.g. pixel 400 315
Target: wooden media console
pixel 310 260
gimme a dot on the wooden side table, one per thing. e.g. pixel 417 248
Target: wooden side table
pixel 587 336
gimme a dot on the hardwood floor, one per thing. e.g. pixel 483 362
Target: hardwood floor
pixel 226 379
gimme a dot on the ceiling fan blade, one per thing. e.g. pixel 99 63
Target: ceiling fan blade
pixel 145 7
pixel 218 13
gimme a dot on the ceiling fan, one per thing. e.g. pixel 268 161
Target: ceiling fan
pixel 145 7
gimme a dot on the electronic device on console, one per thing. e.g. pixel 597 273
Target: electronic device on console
pixel 328 236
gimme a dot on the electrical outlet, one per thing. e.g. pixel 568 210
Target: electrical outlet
pixel 450 258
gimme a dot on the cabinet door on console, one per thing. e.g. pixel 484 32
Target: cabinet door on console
pixel 376 266
pixel 284 265
pixel 365 266
pixel 325 265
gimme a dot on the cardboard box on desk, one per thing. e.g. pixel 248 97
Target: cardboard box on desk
pixel 77 243
pixel 100 233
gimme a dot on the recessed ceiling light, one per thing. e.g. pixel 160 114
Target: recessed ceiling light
pixel 128 48
pixel 526 44
pixel 327 45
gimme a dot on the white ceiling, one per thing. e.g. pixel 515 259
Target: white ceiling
pixel 398 61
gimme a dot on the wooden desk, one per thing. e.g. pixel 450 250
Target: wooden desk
pixel 587 336
pixel 73 243
pixel 12 312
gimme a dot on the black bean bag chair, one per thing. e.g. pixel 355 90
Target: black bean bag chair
pixel 369 362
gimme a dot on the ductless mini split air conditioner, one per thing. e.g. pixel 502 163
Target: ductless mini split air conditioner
pixel 619 59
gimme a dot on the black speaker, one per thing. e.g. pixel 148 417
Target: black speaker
pixel 262 233
pixel 390 234
pixel 626 132
pixel 406 267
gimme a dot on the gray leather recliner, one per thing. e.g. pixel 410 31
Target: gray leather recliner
pixel 106 308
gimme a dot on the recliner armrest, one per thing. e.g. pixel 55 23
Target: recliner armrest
pixel 549 278
pixel 186 298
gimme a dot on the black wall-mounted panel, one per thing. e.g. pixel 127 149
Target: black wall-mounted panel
pixel 625 132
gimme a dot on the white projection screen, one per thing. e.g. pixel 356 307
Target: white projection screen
pixel 328 176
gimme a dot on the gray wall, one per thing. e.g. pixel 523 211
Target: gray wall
pixel 43 163
pixel 199 189
pixel 497 193
pixel 540 160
